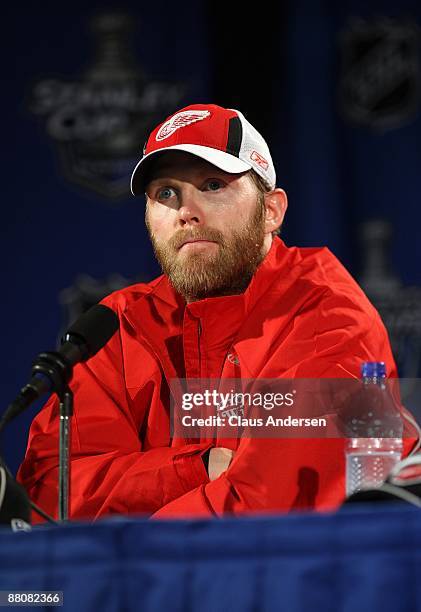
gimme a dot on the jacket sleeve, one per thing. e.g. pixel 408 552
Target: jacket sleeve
pixel 112 471
pixel 272 475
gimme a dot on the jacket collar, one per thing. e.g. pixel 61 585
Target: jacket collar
pixel 157 318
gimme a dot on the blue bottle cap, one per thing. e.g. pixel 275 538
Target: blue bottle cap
pixel 373 369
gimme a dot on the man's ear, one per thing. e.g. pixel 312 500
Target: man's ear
pixel 276 203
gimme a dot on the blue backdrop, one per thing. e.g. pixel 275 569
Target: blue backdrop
pixel 337 173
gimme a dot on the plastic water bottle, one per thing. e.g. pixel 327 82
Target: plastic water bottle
pixel 369 460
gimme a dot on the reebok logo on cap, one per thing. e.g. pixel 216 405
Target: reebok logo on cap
pixel 259 159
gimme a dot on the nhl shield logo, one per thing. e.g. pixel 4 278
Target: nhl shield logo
pixel 379 83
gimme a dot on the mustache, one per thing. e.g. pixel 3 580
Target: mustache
pixel 208 233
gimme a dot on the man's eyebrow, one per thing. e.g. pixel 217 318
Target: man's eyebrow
pixel 157 179
pixel 199 177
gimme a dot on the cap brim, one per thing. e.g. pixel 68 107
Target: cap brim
pixel 220 159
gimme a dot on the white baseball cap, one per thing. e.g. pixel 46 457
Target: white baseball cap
pixel 221 136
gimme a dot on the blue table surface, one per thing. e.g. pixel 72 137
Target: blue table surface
pixel 366 556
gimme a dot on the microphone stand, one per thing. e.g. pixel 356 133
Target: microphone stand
pixel 52 371
pixel 65 444
pixel 52 365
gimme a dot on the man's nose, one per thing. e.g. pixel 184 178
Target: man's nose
pixel 190 212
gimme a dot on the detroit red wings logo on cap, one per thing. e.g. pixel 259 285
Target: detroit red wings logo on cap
pixel 180 120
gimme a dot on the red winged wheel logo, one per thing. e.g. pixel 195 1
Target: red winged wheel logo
pixel 180 120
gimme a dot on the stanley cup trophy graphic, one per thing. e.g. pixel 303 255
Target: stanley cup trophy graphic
pixel 100 121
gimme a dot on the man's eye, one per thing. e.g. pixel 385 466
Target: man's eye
pixel 165 193
pixel 214 185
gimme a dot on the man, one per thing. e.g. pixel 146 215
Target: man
pixel 234 302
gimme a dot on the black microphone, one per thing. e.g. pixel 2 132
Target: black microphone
pixel 52 370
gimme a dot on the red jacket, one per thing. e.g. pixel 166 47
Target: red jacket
pixel 303 316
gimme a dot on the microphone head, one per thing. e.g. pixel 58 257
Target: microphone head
pixel 92 330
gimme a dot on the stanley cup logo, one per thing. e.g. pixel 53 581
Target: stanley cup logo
pixel 100 121
pixel 114 59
